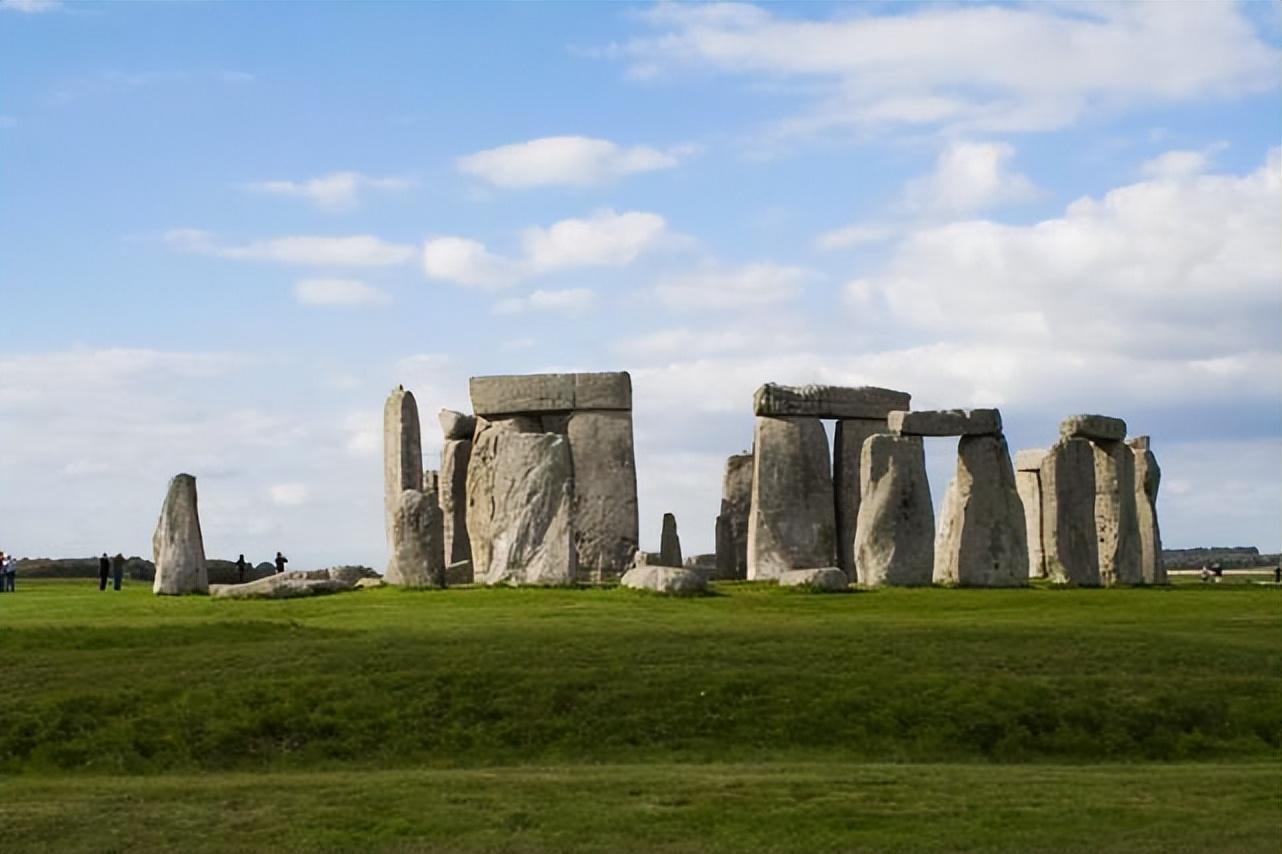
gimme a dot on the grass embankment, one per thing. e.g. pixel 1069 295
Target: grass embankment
pixel 610 719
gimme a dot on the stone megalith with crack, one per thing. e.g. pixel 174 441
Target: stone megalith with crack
pixel 982 540
pixel 1116 523
pixel 732 521
pixel 418 549
pixel 791 523
pixel 1148 477
pixel 1068 513
pixel 177 546
pixel 895 533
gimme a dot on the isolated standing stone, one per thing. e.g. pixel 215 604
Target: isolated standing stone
pixel 982 541
pixel 1116 523
pixel 791 523
pixel 177 546
pixel 847 451
pixel 894 536
pixel 455 455
pixel 1148 476
pixel 1068 513
pixel 402 452
pixel 418 554
pixel 520 494
pixel 670 542
pixel 1028 480
pixel 605 520
pixel 732 522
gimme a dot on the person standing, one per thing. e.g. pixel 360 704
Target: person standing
pixel 4 572
pixel 10 574
pixel 104 568
pixel 117 570
pixel 240 569
pixel 281 560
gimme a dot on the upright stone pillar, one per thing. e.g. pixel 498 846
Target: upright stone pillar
pixel 1116 524
pixel 456 452
pixel 895 532
pixel 606 522
pixel 1028 480
pixel 732 522
pixel 402 453
pixel 847 451
pixel 670 542
pixel 982 542
pixel 177 546
pixel 791 522
pixel 418 553
pixel 1148 476
pixel 1068 513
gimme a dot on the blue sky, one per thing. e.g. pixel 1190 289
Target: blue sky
pixel 227 230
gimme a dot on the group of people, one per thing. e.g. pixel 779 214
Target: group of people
pixel 8 572
pixel 112 569
pixel 115 567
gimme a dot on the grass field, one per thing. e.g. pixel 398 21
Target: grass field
pixel 584 720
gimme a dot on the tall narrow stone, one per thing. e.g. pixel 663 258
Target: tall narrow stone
pixel 1148 476
pixel 732 521
pixel 982 542
pixel 894 536
pixel 177 546
pixel 1068 513
pixel 418 553
pixel 455 455
pixel 606 525
pixel 1116 524
pixel 1028 480
pixel 791 522
pixel 847 451
pixel 402 452
pixel 670 542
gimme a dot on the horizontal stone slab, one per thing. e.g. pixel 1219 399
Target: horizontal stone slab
pixel 1099 427
pixel 946 422
pixel 513 394
pixel 1030 459
pixel 828 401
pixel 456 425
pixel 1140 443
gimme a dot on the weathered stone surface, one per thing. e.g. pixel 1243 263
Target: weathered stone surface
pixel 535 393
pixel 402 452
pixel 459 572
pixel 847 452
pixel 455 454
pixel 177 546
pixel 456 425
pixel 732 522
pixel 1068 513
pixel 1148 476
pixel 1029 485
pixel 895 533
pixel 824 579
pixel 1140 443
pixel 370 583
pixel 431 480
pixel 704 564
pixel 605 390
pixel 982 540
pixel 605 521
pixel 668 580
pixel 418 550
pixel 1029 459
pixel 791 523
pixel 520 495
pixel 1116 524
pixel 670 542
pixel 293 584
pixel 1099 427
pixel 945 422
pixel 827 401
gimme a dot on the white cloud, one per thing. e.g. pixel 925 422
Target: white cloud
pixel 29 6
pixel 576 161
pixel 748 286
pixel 970 67
pixel 568 301
pixel 968 177
pixel 467 262
pixel 856 234
pixel 338 292
pixel 360 250
pixel 289 494
pixel 335 192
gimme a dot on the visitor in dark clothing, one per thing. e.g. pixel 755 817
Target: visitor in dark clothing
pixel 281 560
pixel 240 569
pixel 104 569
pixel 117 570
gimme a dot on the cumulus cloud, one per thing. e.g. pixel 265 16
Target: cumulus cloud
pixel 333 193
pixel 856 234
pixel 968 177
pixel 362 250
pixel 730 288
pixel 576 161
pixel 338 292
pixel 567 301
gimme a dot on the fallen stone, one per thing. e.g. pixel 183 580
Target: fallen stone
pixel 1098 427
pixel 945 422
pixel 402 452
pixel 670 542
pixel 894 537
pixel 847 452
pixel 456 425
pixel 1029 484
pixel 605 519
pixel 982 538
pixel 1116 523
pixel 1148 477
pixel 418 550
pixel 1029 459
pixel 1068 513
pixel 293 584
pixel 177 546
pixel 455 455
pixel 370 583
pixel 826 579
pixel 792 519
pixel 732 521
pixel 827 401
pixel 668 580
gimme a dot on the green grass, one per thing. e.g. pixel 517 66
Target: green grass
pixel 756 719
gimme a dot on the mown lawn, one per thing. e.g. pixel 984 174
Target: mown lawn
pixel 547 720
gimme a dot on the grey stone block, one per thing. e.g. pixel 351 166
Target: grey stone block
pixel 826 401
pixel 946 422
pixel 895 535
pixel 982 541
pixel 524 393
pixel 1098 427
pixel 606 390
pixel 1068 513
pixel 177 545
pixel 792 522
pixel 847 452
pixel 1029 459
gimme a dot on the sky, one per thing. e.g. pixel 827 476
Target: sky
pixel 228 230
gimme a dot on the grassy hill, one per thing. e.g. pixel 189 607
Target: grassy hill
pixel 1015 719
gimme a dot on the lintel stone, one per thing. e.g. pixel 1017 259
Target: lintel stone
pixel 534 393
pixel 1101 428
pixel 827 401
pixel 946 422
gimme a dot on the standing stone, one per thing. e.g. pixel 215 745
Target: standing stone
pixel 431 480
pixel 791 523
pixel 1148 476
pixel 982 542
pixel 894 536
pixel 520 495
pixel 1068 513
pixel 670 542
pixel 1116 524
pixel 418 554
pixel 402 452
pixel 847 451
pixel 177 546
pixel 732 522
pixel 605 520
pixel 455 455
pixel 1028 480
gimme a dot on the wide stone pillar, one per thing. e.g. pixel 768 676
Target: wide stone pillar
pixel 1068 513
pixel 982 541
pixel 1116 524
pixel 606 524
pixel 418 551
pixel 1028 481
pixel 177 546
pixel 1148 476
pixel 732 522
pixel 402 452
pixel 847 451
pixel 895 532
pixel 791 522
